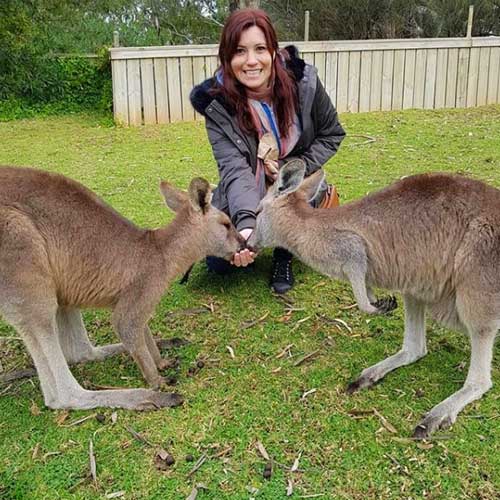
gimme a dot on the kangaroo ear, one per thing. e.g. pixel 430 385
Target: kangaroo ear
pixel 200 194
pixel 290 176
pixel 174 198
pixel 310 186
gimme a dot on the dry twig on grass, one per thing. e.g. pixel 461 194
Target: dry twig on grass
pixel 92 463
pixel 197 465
pixel 369 139
pixel 305 358
pixel 138 436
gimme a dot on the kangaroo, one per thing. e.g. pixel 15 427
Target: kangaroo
pixel 435 238
pixel 62 248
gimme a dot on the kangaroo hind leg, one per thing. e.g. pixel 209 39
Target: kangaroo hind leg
pixel 414 347
pixel 74 339
pixel 478 311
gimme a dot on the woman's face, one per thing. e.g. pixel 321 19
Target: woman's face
pixel 252 62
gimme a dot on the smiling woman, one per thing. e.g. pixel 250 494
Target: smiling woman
pixel 252 62
pixel 264 106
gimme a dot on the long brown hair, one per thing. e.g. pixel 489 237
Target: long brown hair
pixel 283 87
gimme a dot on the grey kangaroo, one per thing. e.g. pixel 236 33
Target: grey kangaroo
pixel 62 249
pixel 433 237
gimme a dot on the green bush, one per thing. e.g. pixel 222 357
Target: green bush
pixel 54 84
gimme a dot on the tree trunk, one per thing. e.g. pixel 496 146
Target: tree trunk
pixel 252 4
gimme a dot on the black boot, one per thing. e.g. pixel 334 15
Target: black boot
pixel 282 275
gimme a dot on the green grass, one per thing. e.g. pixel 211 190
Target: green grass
pixel 232 403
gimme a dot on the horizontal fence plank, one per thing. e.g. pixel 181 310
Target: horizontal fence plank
pixel 152 84
pixel 322 46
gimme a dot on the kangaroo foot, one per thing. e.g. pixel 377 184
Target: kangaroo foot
pixel 130 399
pixel 161 400
pixel 170 343
pixel 386 304
pixel 433 422
pixel 363 382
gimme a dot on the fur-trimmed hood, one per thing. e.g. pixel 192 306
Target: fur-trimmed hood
pixel 201 97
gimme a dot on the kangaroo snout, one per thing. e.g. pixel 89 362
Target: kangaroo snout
pixel 251 243
pixel 242 243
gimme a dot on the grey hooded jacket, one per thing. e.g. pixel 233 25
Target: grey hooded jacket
pixel 236 152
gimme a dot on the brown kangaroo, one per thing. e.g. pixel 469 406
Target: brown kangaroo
pixel 62 248
pixel 433 237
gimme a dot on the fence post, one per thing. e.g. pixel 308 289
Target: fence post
pixel 116 39
pixel 469 21
pixel 306 26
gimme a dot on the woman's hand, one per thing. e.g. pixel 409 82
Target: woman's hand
pixel 271 169
pixel 245 257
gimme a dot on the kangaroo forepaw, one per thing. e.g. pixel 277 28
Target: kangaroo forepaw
pixel 386 304
pixel 166 363
pixel 170 343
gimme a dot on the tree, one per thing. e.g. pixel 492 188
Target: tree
pixel 366 19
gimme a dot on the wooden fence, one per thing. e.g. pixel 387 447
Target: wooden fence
pixel 152 84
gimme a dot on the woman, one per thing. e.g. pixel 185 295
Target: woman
pixel 263 107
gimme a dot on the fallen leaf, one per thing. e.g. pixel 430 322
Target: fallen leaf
pixel 308 393
pixel 262 450
pixel 93 471
pixel 306 357
pixel 231 351
pixel 387 425
pixel 285 318
pixel 116 494
pixel 424 446
pixel 343 323
pixel 284 352
pixel 249 324
pixel 80 420
pixel 210 307
pixel 50 454
pixel 195 491
pixel 289 488
pixel 295 465
pixel 138 436
pixel 34 409
pixel 62 417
